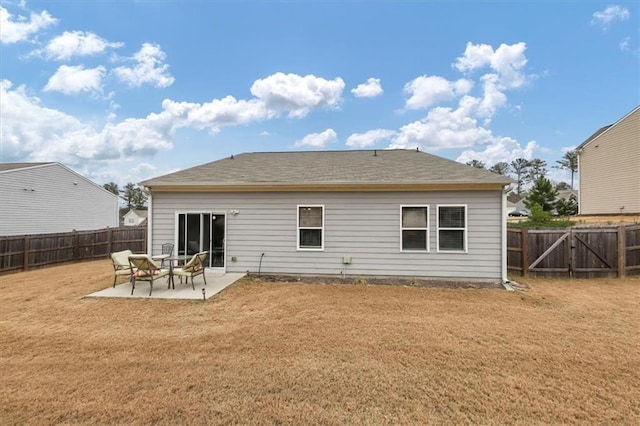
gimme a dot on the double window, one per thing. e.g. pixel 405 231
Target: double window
pixel 310 227
pixel 415 228
pixel 452 228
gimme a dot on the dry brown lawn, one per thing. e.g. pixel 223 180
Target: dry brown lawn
pixel 263 353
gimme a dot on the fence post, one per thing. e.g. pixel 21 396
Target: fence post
pixel 109 238
pixel 622 251
pixel 525 252
pixel 76 247
pixel 25 254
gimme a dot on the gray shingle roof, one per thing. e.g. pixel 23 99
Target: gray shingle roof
pixel 593 136
pixel 329 168
pixel 15 166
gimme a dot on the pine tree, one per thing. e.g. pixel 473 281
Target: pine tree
pixel 477 164
pixel 500 168
pixel 569 162
pixel 543 194
pixel 520 166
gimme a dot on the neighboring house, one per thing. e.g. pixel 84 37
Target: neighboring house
pixel 609 168
pixel 135 217
pixel 39 198
pixel 382 213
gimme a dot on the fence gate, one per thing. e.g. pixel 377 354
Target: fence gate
pixel 580 253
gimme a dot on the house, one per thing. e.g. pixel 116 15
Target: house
pixel 609 168
pixel 135 217
pixel 39 198
pixel 382 213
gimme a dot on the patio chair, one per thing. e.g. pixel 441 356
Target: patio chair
pixel 121 267
pixel 145 270
pixel 167 251
pixel 193 268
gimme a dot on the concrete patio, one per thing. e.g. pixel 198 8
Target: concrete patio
pixel 216 282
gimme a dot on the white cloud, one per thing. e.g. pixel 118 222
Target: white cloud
pixel 442 128
pixel 297 94
pixel 500 149
pixel 507 61
pixel 227 111
pixel 150 68
pixel 318 140
pixel 76 43
pixel 75 79
pixel 366 139
pixel 370 89
pixel 31 132
pixel 20 28
pixel 425 91
pixel 605 18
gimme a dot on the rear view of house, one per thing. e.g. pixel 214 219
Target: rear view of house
pixel 383 213
pixel 609 168
pixel 41 198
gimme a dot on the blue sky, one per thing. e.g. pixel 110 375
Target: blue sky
pixel 124 91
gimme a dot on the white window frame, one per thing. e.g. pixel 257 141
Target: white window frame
pixel 427 249
pixel 321 248
pixel 465 229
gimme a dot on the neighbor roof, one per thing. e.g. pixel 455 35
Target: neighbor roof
pixel 329 168
pixel 602 130
pixel 15 166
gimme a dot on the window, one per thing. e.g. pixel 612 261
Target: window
pixel 132 220
pixel 310 227
pixel 415 228
pixel 452 228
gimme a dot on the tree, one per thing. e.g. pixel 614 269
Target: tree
pixel 133 196
pixel 500 168
pixel 112 187
pixel 569 162
pixel 567 206
pixel 543 194
pixel 537 168
pixel 477 164
pixel 520 167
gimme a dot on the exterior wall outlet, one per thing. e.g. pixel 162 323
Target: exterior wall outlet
pixel 346 260
pixel 233 258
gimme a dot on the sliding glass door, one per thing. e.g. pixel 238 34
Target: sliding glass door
pixel 198 232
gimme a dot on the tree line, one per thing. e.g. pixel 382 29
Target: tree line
pixel 542 195
pixel 131 194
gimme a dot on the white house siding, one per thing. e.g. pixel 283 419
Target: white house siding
pixel 364 226
pixel 609 168
pixel 44 199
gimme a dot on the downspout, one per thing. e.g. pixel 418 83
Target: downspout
pixel 505 278
pixel 149 221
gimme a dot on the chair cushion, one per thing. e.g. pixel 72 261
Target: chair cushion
pixel 121 258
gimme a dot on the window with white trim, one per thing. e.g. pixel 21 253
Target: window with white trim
pixel 452 228
pixel 310 227
pixel 414 228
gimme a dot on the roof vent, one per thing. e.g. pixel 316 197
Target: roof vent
pixel 231 156
pixel 375 152
pixel 417 149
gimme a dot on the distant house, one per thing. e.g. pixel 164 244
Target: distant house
pixel 609 168
pixel 381 213
pixel 39 198
pixel 135 217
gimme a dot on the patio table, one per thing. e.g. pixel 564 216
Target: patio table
pixel 179 259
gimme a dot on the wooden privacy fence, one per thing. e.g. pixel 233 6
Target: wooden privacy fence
pixel 21 252
pixel 593 252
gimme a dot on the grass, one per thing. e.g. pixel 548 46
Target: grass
pixel 562 352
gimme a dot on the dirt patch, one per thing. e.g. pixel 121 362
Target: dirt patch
pixel 366 280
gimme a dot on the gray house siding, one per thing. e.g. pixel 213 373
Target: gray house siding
pixel 51 198
pixel 365 226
